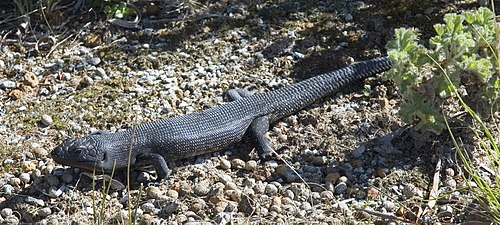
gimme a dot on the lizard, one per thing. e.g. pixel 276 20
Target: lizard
pixel 168 139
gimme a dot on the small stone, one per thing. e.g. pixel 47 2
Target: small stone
pixel 271 189
pixel 340 188
pixel 225 164
pixel 388 205
pixel 360 194
pixel 450 183
pixel 24 177
pixel 100 72
pixel 275 208
pixel 154 192
pixel 14 181
pixel 35 201
pixel 251 165
pixel 238 163
pixel 332 177
pixel 381 172
pixel 197 207
pixel 372 193
pixel 7 189
pixel 44 212
pixel 348 17
pixel 202 188
pixel 46 120
pixel 87 81
pixel 8 84
pixel 283 170
pixel 40 152
pixel 328 195
pixel 16 94
pixel 450 172
pixel 11 220
pixel 94 61
pixel 6 212
pixel 28 165
pixel 409 190
pixel 343 179
pixel 149 207
pixel 305 206
pixel 31 79
pixel 173 194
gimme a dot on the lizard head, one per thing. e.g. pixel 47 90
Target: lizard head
pixel 90 152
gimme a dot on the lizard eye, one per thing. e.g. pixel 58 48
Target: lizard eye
pixel 79 151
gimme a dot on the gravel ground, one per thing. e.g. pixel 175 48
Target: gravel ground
pixel 347 159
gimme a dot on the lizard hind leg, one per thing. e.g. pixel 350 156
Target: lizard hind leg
pixel 238 93
pixel 259 126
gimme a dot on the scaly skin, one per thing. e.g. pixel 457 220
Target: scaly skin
pixel 208 130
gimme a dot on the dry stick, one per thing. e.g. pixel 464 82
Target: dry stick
pixel 382 215
pixel 433 192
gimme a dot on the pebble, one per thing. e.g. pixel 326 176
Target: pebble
pixel 40 152
pixel 225 164
pixel 389 206
pixel 94 61
pixel 11 220
pixel 56 192
pixel 340 188
pixel 450 183
pixel 52 180
pixel 360 194
pixel 343 179
pixel 271 189
pixel 348 17
pixel 327 195
pixel 8 84
pixel 202 188
pixel 173 194
pixel 149 208
pixel 14 181
pixel 372 193
pixel 44 212
pixel 35 201
pixel 332 177
pixel 31 80
pixel 154 192
pixel 409 190
pixel 16 94
pixel 46 120
pixel 238 163
pixel 6 212
pixel 7 189
pixel 24 177
pixel 251 165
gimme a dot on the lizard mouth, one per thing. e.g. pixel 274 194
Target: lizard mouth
pixel 66 154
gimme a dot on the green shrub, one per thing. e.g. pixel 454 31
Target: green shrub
pixel 465 49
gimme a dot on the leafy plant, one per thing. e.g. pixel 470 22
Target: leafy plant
pixel 117 10
pixel 464 47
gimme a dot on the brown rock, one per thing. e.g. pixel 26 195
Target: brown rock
pixel 372 193
pixel 31 80
pixel 16 94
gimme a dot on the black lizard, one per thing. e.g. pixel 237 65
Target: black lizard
pixel 208 130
